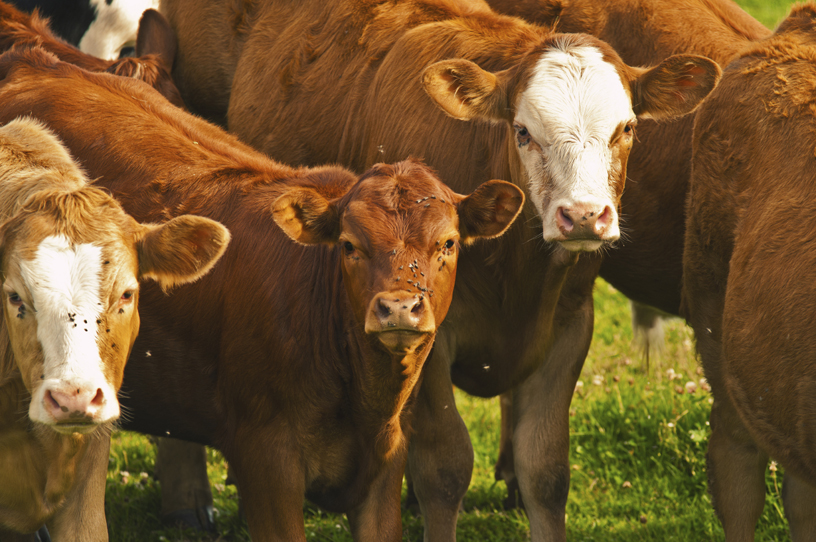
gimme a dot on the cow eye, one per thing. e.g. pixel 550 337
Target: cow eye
pixel 15 299
pixel 127 295
pixel 449 243
pixel 522 135
pixel 348 247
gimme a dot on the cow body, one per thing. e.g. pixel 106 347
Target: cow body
pixel 748 279
pixel 350 81
pixel 71 260
pixel 298 362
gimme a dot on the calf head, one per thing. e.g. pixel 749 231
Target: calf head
pixel 399 230
pixel 571 105
pixel 70 263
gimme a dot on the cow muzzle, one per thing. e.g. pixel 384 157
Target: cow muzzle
pixel 74 407
pixel 401 320
pixel 585 227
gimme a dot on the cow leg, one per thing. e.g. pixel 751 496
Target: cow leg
pixel 271 483
pixel 379 517
pixel 800 507
pixel 541 430
pixel 505 468
pixel 440 454
pixel 81 518
pixel 185 489
pixel 736 473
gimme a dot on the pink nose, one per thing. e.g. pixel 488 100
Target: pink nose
pixel 74 404
pixel 584 221
pixel 401 312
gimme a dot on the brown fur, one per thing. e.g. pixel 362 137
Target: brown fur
pixel 267 357
pixel 152 66
pixel 343 81
pixel 49 476
pixel 749 277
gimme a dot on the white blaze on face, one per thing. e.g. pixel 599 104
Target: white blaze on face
pixel 572 106
pixel 64 283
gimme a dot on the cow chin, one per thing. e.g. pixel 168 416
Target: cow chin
pixel 402 341
pixel 582 245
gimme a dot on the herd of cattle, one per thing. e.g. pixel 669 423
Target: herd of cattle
pixel 290 312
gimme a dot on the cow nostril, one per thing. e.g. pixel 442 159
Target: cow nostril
pixel 99 398
pixel 417 307
pixel 383 309
pixel 50 401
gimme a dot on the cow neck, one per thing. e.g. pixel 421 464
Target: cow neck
pixel 379 390
pixel 39 463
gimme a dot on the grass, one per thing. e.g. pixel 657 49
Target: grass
pixel 638 442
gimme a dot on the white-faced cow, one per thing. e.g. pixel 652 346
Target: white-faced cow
pixel 356 82
pixel 70 264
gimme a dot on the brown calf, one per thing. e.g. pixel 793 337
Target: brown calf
pixel 155 48
pixel 298 362
pixel 70 262
pixel 749 279
pixel 357 82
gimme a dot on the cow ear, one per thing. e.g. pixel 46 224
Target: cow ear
pixel 156 37
pixel 674 87
pixel 307 217
pixel 465 91
pixel 489 210
pixel 181 250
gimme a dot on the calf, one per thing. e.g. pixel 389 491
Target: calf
pixel 299 362
pixel 356 82
pixel 155 48
pixel 646 265
pixel 70 262
pixel 749 277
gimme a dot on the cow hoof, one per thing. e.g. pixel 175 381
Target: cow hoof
pixel 199 519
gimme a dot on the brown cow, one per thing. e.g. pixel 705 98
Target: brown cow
pixel 298 362
pixel 70 262
pixel 647 264
pixel 155 48
pixel 349 81
pixel 749 278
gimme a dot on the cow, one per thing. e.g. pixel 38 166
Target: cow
pixel 106 29
pixel 646 265
pixel 155 48
pixel 71 261
pixel 356 82
pixel 748 276
pixel 299 360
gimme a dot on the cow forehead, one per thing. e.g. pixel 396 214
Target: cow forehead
pixel 415 221
pixel 574 95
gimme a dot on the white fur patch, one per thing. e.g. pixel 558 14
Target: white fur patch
pixel 573 104
pixel 115 26
pixel 64 282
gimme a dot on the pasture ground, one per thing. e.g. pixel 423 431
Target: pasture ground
pixel 638 441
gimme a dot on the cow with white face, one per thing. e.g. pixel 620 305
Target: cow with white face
pixel 573 105
pixel 70 264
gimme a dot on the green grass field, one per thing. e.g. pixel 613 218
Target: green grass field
pixel 638 442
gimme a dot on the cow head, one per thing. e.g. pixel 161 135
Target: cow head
pixel 398 231
pixel 571 106
pixel 70 263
